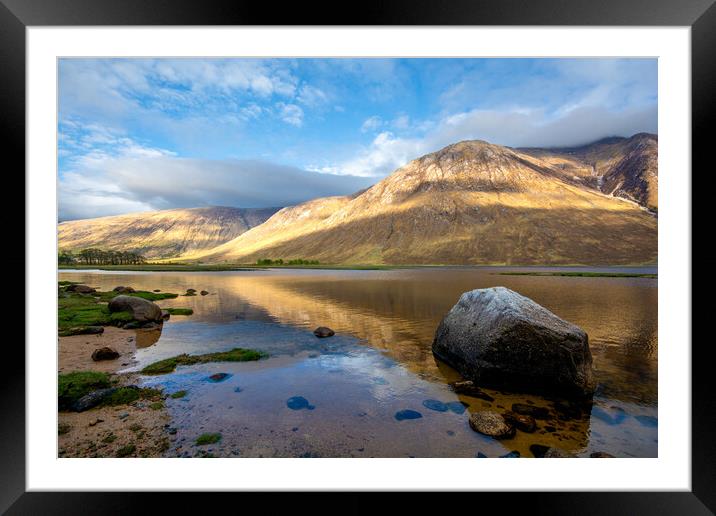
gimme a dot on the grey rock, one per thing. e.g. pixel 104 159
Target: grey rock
pixel 166 315
pixel 142 310
pixel 123 290
pixel 491 424
pixel 92 399
pixel 81 289
pixel 497 337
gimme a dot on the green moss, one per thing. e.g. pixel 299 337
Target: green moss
pixel 109 439
pixel 179 311
pixel 127 395
pixel 77 311
pixel 162 367
pixel 72 386
pixel 178 394
pixel 157 405
pixel 126 451
pixel 208 439
pixel 149 296
pixel 234 355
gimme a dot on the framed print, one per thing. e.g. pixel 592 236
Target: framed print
pixel 360 255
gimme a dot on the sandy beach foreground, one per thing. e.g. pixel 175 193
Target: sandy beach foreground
pixel 138 429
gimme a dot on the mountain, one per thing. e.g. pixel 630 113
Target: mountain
pixel 161 234
pixel 474 203
pixel 622 167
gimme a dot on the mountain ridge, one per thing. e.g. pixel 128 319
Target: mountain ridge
pixel 471 202
pixel 162 233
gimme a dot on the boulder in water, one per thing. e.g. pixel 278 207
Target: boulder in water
pixel 497 337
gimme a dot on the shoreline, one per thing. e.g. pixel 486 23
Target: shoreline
pixel 252 268
pixel 137 429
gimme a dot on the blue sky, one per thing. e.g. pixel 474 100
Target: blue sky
pixel 144 134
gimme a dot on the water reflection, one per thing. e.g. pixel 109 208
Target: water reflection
pixel 381 361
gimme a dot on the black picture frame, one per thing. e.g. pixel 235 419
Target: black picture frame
pixel 700 15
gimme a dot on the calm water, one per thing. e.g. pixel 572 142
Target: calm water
pixel 380 362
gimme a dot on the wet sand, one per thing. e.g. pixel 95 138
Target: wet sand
pixel 134 430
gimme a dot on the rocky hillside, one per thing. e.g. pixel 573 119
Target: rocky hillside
pixel 161 234
pixel 477 203
pixel 622 167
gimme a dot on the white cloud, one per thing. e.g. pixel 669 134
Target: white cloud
pixel 311 96
pixel 371 124
pixel 515 128
pixel 291 114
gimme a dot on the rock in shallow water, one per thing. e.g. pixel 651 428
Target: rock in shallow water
pixel 436 405
pixel 649 421
pixel 219 377
pixel 491 424
pixel 298 403
pixel 141 309
pixel 456 406
pixel 530 410
pixel 495 336
pixel 407 414
pixel 524 423
pixel 322 332
pixel 468 388
pixel 601 455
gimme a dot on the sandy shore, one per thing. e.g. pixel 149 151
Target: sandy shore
pixel 134 430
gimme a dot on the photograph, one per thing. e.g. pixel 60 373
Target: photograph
pixel 357 257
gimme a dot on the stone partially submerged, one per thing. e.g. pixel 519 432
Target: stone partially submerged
pixel 499 338
pixel 141 309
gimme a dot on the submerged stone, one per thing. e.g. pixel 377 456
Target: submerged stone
pixel 514 454
pixel 649 421
pixel 436 405
pixel 458 407
pixel 612 418
pixel 407 414
pixel 298 403
pixel 491 424
pixel 601 455
pixel 238 389
pixel 538 450
pixel 530 410
pixel 218 377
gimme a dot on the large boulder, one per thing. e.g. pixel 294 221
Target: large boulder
pixel 81 289
pixel 499 338
pixel 142 310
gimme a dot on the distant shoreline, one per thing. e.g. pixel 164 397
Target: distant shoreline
pixel 368 267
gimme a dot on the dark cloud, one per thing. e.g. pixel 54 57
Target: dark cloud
pixel 114 185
